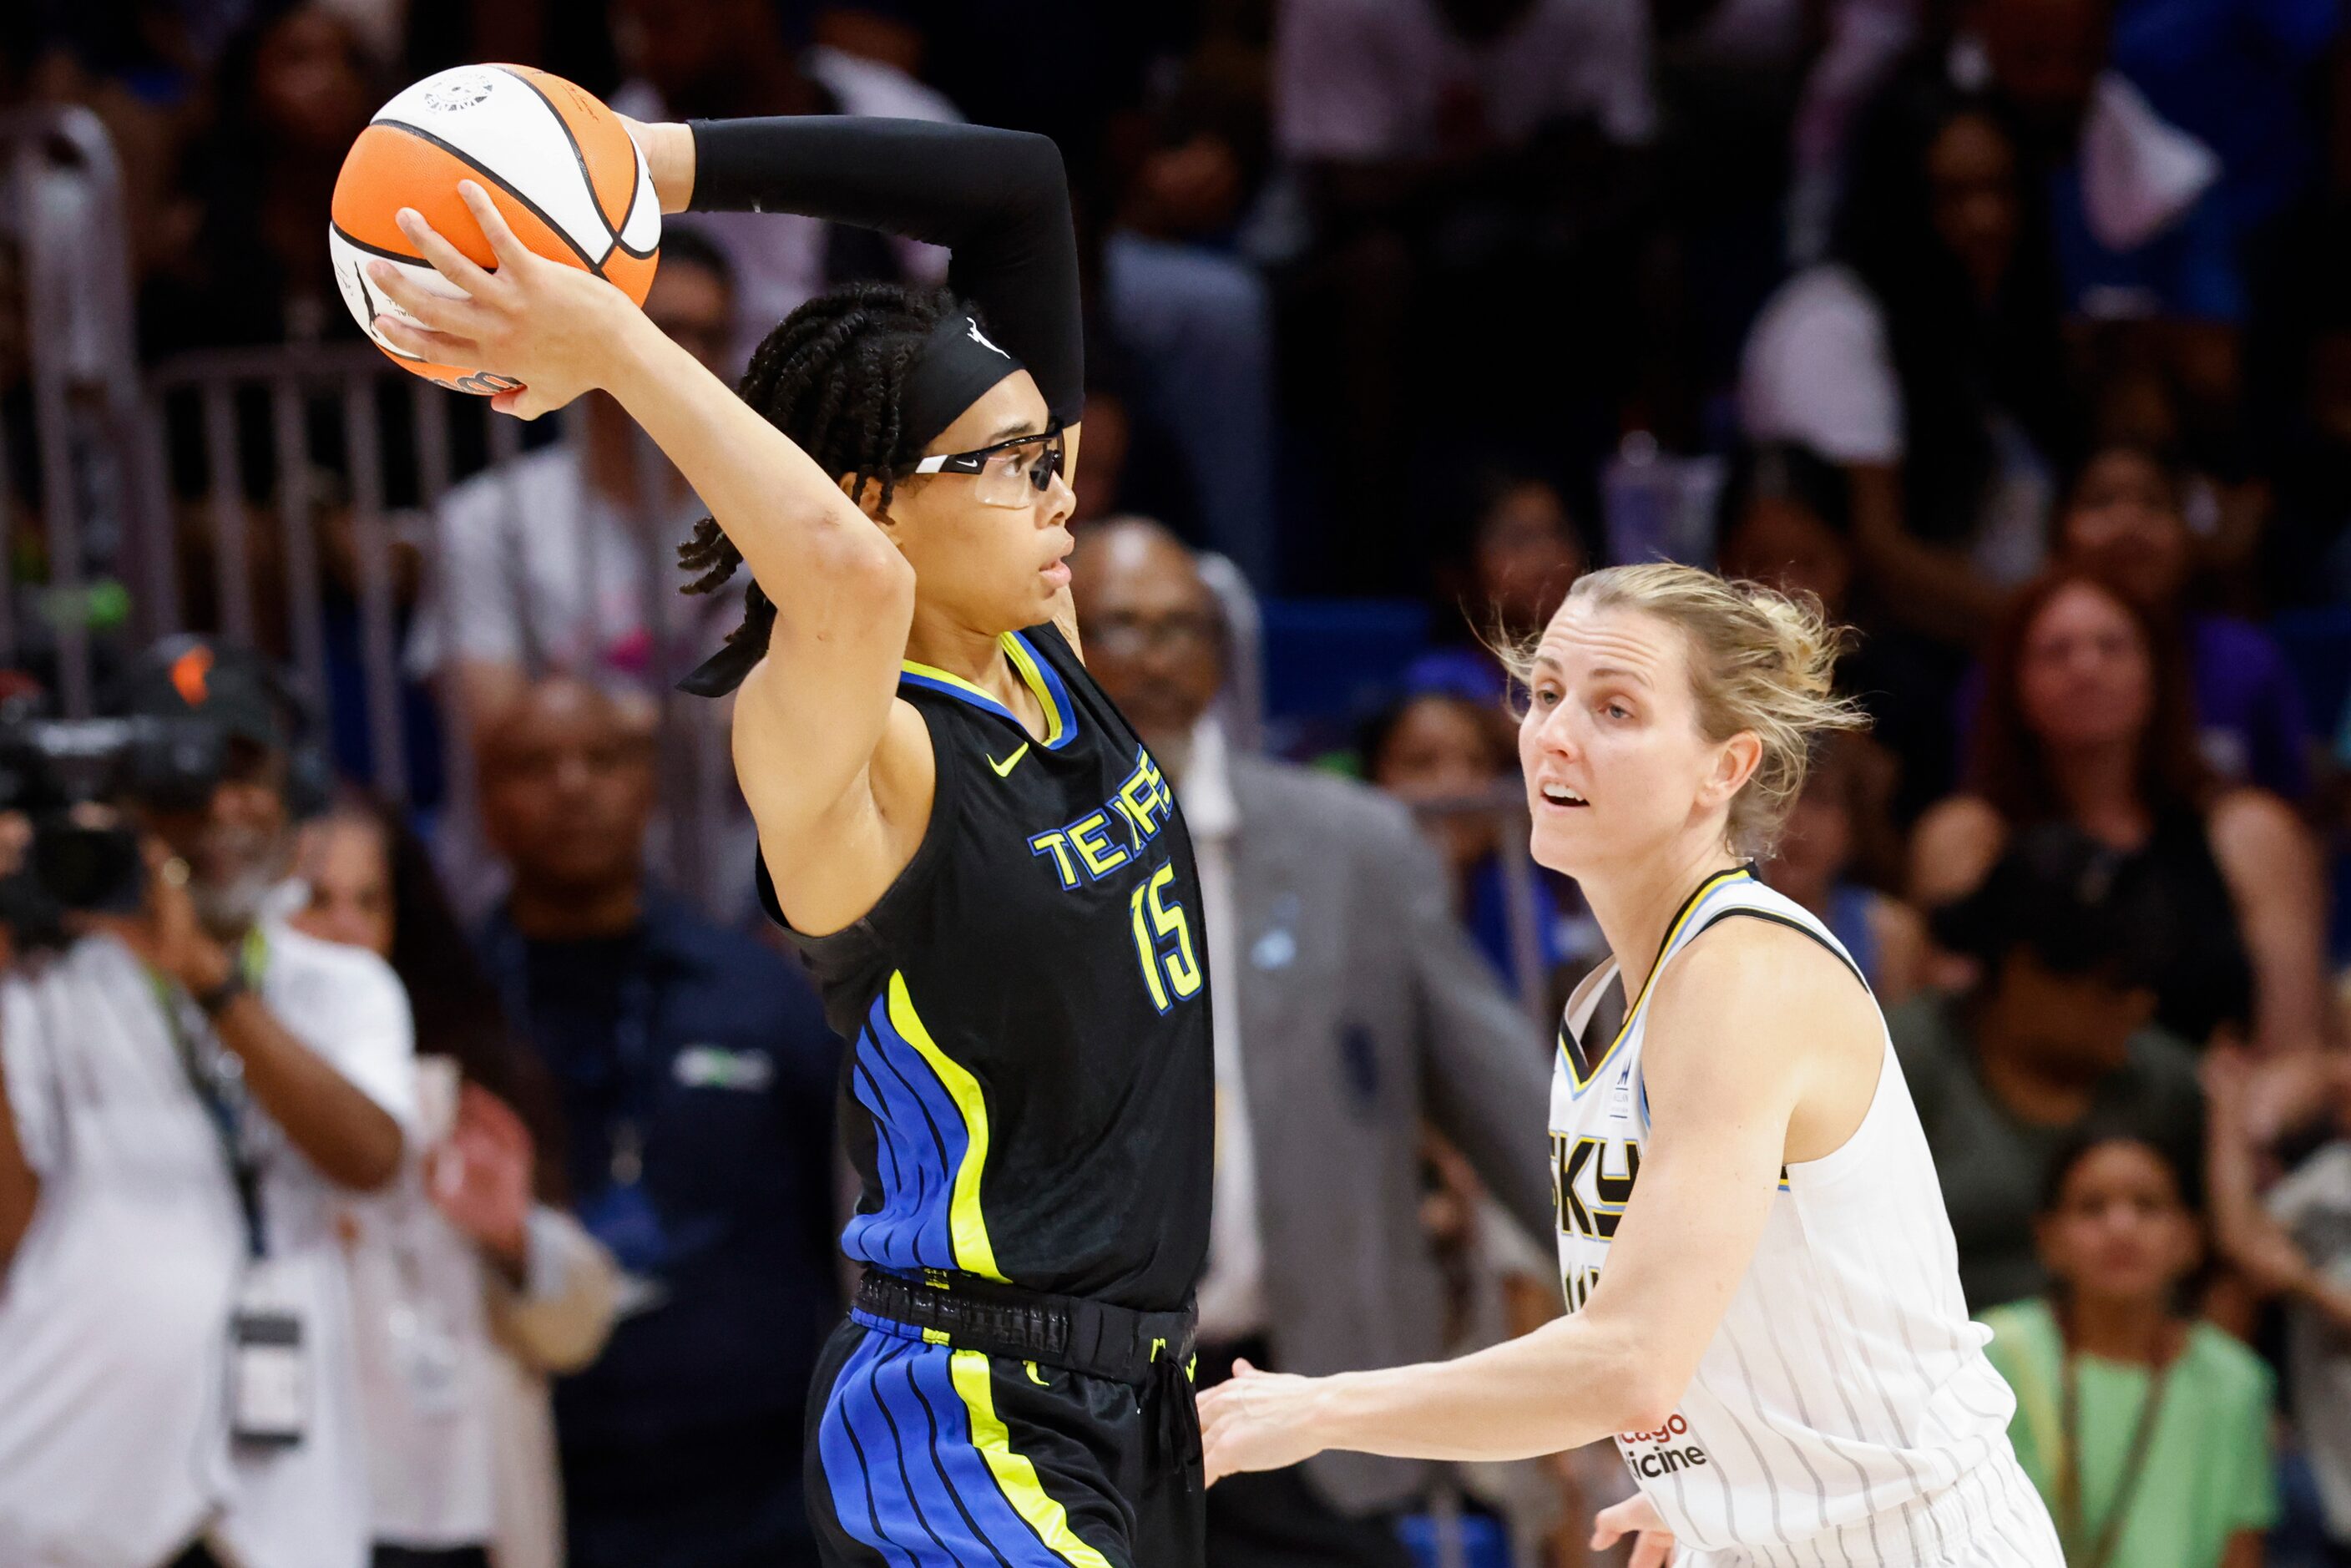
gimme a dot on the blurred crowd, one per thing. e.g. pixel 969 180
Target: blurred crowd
pixel 2017 332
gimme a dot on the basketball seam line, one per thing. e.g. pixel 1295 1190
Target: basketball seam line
pixel 636 189
pixel 533 207
pixel 359 275
pixel 580 156
pixel 356 243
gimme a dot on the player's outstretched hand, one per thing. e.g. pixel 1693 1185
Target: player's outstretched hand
pixel 1256 1421
pixel 547 325
pixel 1655 1548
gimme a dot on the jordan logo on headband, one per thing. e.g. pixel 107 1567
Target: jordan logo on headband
pixel 981 338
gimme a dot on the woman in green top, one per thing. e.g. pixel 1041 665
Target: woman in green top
pixel 2149 1434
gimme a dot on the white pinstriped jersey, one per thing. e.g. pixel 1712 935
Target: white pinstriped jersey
pixel 1843 1414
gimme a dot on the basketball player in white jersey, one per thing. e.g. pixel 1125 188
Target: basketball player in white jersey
pixel 1763 1290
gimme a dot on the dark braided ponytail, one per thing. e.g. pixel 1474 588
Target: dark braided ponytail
pixel 832 377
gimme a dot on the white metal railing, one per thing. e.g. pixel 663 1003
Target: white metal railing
pixel 100 488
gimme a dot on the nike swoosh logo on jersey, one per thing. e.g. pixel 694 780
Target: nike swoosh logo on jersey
pixel 1004 767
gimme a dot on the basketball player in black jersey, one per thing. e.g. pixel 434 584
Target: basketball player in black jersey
pixel 983 866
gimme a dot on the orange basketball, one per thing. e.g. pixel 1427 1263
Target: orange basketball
pixel 561 167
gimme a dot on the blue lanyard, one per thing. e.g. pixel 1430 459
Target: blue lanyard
pixel 223 1109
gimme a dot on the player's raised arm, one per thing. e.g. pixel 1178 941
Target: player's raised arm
pixel 845 595
pixel 998 200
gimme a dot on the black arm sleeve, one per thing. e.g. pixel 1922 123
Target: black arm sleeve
pixel 998 199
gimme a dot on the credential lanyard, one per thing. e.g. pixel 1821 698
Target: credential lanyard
pixel 223 1109
pixel 632 1036
pixel 632 1043
pixel 2070 1521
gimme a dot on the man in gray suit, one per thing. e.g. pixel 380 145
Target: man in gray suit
pixel 1350 1010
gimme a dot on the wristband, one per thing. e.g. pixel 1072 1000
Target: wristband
pixel 211 1003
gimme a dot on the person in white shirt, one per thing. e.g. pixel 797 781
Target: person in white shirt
pixel 468 1292
pixel 1762 1287
pixel 561 562
pixel 1923 359
pixel 550 563
pixel 193 1088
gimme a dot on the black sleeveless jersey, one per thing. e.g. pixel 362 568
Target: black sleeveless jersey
pixel 1030 1091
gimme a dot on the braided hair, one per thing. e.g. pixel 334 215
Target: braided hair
pixel 832 377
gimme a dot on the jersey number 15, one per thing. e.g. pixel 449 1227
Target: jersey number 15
pixel 1172 972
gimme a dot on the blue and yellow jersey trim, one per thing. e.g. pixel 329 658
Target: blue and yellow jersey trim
pixel 1015 1474
pixel 919 1463
pixel 1035 672
pixel 931 1143
pixel 1579 1080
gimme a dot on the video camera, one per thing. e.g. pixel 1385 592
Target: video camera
pixel 69 778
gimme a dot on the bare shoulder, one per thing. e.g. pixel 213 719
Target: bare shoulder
pixel 1754 972
pixel 1955 844
pixel 1759 1017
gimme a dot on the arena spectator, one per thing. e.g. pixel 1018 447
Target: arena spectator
pixel 1923 357
pixel 2124 518
pixel 1786 519
pixel 2056 1035
pixel 1195 321
pixel 1524 554
pixel 707 60
pixel 559 562
pixel 2293 1244
pixel 1837 842
pixel 694 1078
pixel 466 1289
pixel 292 91
pixel 2087 718
pixel 2140 230
pixel 1454 758
pixel 2145 246
pixel 2146 1433
pixel 1349 1008
pixel 1456 157
pixel 2238 79
pixel 195 1088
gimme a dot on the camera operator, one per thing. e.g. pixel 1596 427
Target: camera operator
pixel 191 1082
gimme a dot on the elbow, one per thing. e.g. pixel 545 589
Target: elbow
pixel 575 1348
pixel 880 582
pixel 1645 1383
pixel 860 566
pixel 365 1173
pixel 1037 164
pixel 368 1159
pixel 1648 1403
